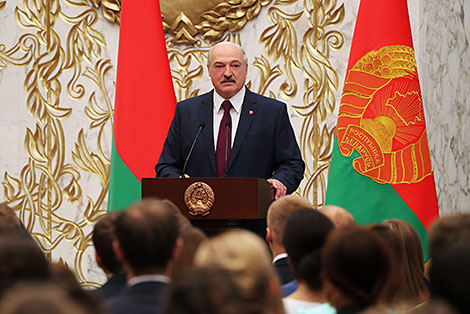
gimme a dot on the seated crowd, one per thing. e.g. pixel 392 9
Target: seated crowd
pixel 312 261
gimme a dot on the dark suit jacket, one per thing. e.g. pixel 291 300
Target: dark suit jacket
pixel 113 286
pixel 283 271
pixel 264 146
pixel 142 298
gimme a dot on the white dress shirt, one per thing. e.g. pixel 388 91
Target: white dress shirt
pixel 235 112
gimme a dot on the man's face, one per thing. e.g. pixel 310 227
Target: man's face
pixel 227 70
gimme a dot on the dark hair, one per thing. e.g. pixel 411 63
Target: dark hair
pixel 357 264
pixel 103 237
pixel 448 230
pixel 147 234
pixel 64 278
pixel 21 259
pixel 8 218
pixel 204 290
pixel 304 235
pixel 450 276
pixel 192 238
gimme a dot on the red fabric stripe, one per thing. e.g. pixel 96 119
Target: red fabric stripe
pixel 380 23
pixel 383 23
pixel 421 198
pixel 145 98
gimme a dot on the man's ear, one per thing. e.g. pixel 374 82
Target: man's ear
pixel 178 248
pixel 99 261
pixel 269 236
pixel 118 252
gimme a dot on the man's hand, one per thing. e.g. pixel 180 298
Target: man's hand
pixel 280 188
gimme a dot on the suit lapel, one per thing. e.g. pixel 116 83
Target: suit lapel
pixel 249 109
pixel 206 114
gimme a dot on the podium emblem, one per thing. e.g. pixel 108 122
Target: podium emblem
pixel 199 199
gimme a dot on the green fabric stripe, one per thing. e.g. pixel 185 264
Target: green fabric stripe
pixel 368 201
pixel 124 187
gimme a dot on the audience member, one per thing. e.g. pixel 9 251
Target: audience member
pixel 247 256
pixel 450 276
pixel 448 230
pixel 338 215
pixel 21 260
pixel 206 290
pixel 147 242
pixel 183 222
pixel 356 269
pixel 64 278
pixel 192 238
pixel 278 212
pixel 304 235
pixel 10 223
pixel 39 298
pixel 103 237
pixel 412 288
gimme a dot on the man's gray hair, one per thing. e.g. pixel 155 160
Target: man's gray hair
pixel 209 56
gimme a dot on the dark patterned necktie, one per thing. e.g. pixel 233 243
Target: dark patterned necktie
pixel 224 139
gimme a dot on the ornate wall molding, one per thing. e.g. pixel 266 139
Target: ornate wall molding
pixel 57 75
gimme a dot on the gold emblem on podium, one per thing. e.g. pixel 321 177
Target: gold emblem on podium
pixel 199 199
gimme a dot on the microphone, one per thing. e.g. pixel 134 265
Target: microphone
pixel 228 124
pixel 201 126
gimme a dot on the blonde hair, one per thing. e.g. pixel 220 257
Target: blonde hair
pixel 413 281
pixel 338 215
pixel 246 255
pixel 280 210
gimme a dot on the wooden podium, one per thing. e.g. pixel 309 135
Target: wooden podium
pixel 233 202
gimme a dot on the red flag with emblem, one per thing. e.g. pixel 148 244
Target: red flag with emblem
pixel 381 166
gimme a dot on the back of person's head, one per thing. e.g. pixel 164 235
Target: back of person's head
pixel 246 255
pixel 305 233
pixel 8 218
pixel 147 233
pixel 450 276
pixel 413 282
pixel 394 294
pixel 39 298
pixel 64 278
pixel 204 290
pixel 103 237
pixel 279 211
pixel 21 259
pixel 338 215
pixel 192 238
pixel 356 267
pixel 183 222
pixel 448 230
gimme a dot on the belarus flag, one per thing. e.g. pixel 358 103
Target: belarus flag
pixel 145 101
pixel 381 166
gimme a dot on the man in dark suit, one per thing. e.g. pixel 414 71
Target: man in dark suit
pixel 103 237
pixel 264 143
pixel 278 212
pixel 147 242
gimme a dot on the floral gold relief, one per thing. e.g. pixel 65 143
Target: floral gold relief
pixel 57 69
pixel 60 190
pixel 185 19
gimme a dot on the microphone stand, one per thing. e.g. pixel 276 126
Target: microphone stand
pixel 201 126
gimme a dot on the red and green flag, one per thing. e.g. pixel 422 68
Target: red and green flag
pixel 145 101
pixel 381 166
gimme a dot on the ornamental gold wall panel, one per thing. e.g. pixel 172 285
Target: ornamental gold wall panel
pixel 57 82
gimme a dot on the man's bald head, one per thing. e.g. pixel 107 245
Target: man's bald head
pixel 338 215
